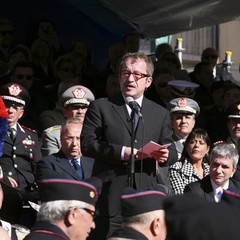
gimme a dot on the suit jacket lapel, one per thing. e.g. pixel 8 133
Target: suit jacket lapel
pixel 20 135
pixel 208 192
pixel 66 166
pixel 121 110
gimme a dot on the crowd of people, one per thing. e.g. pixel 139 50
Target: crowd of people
pixel 72 141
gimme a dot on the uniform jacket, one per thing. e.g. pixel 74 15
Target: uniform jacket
pixel 127 233
pixel 51 140
pixel 179 146
pixel 20 156
pixel 59 163
pixel 46 230
pixel 203 188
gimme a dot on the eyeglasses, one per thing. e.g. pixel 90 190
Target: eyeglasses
pixel 21 76
pixel 91 212
pixel 136 75
pixel 71 139
pixel 13 105
pixel 3 33
pixel 210 56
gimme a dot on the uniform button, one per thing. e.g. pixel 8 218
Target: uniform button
pixel 15 165
pixel 14 156
pixel 30 150
pixel 135 141
pixel 14 148
pixel 10 173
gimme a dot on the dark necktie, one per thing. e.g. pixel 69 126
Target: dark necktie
pixel 11 133
pixel 77 167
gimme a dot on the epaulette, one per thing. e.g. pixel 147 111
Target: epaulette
pixel 29 129
pixel 53 128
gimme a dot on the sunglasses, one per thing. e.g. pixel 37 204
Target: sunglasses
pixel 3 33
pixel 21 76
pixel 91 212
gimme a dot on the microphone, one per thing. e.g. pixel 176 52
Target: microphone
pixel 134 106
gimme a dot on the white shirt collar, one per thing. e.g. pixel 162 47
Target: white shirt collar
pixel 78 160
pixel 14 127
pixel 217 189
pixel 138 100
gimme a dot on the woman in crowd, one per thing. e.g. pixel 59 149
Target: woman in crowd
pixel 193 165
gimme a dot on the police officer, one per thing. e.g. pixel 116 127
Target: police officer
pixel 74 102
pixel 183 113
pixel 143 215
pixel 67 210
pixel 21 148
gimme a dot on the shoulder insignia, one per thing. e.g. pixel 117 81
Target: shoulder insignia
pixel 29 129
pixel 53 128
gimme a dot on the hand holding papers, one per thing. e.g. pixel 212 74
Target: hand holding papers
pixel 153 149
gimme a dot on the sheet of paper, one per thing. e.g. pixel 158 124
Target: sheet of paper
pixel 152 146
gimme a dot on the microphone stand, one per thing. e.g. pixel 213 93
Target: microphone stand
pixel 131 167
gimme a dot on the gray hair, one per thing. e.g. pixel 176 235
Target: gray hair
pixel 69 121
pixel 56 210
pixel 225 150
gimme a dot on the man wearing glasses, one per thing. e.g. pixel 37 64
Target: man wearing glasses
pixel 21 148
pixel 67 210
pixel 106 134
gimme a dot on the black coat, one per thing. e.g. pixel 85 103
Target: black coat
pixel 203 188
pixel 59 163
pixel 47 231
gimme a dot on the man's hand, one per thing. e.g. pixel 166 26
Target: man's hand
pixel 13 182
pixel 127 153
pixel 161 155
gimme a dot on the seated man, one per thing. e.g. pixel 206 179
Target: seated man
pixel 21 149
pixel 183 113
pixel 67 210
pixel 74 102
pixel 69 161
pixel 223 164
pixel 143 215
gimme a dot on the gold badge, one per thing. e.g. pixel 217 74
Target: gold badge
pixel 14 90
pixel 78 93
pixel 92 194
pixel 182 102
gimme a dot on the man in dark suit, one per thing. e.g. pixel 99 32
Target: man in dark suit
pixel 69 161
pixel 107 132
pixel 223 164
